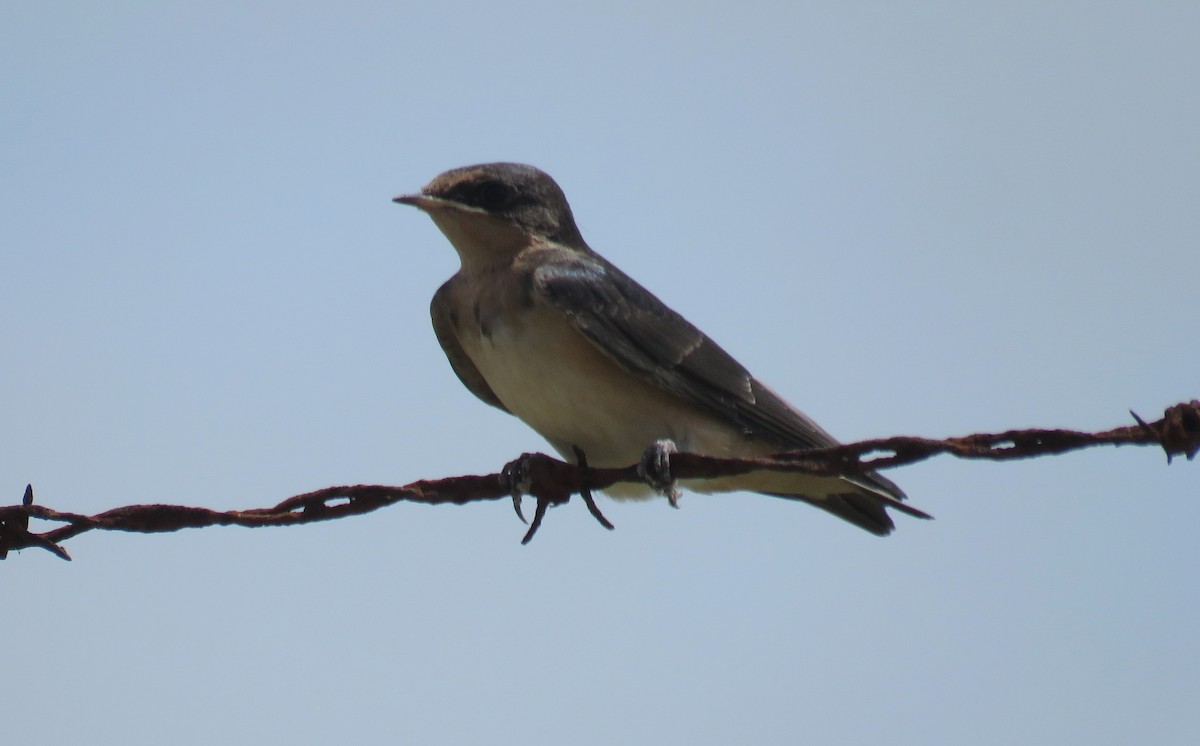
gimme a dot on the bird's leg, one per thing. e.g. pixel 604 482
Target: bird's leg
pixel 586 491
pixel 517 476
pixel 655 468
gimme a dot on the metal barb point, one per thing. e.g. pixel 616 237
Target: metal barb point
pixel 1150 433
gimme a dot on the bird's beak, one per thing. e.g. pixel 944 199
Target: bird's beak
pixel 432 205
pixel 419 201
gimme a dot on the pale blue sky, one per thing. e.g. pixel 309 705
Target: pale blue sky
pixel 917 218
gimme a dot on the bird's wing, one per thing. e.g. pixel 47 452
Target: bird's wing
pixel 443 327
pixel 638 331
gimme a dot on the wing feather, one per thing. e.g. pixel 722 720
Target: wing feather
pixel 638 331
pixel 443 327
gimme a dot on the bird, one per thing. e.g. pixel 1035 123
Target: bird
pixel 539 325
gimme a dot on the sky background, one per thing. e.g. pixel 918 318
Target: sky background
pixel 908 218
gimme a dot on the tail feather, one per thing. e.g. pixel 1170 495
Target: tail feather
pixel 864 505
pixel 864 510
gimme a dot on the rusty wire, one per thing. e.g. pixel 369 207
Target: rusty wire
pixel 552 482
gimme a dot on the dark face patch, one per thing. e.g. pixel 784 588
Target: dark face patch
pixel 521 194
pixel 486 194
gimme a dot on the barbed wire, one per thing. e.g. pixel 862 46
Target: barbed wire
pixel 552 482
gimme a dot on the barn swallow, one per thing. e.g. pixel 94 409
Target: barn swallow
pixel 539 325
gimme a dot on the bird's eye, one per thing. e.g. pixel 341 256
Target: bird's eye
pixel 491 195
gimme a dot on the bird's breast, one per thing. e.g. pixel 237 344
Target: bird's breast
pixel 547 373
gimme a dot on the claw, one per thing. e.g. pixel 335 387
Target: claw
pixel 538 514
pixel 655 468
pixel 586 492
pixel 517 477
pixel 516 474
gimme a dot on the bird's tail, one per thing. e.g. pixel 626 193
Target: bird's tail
pixel 864 502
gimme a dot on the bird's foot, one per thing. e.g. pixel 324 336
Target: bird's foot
pixel 655 468
pixel 586 491
pixel 517 476
pixel 545 479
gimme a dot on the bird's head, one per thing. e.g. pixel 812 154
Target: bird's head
pixel 493 210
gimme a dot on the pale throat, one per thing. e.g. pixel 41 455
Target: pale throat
pixel 481 241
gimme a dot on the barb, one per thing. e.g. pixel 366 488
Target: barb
pixel 553 482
